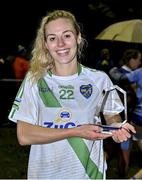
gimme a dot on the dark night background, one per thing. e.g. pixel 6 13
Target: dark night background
pixel 19 20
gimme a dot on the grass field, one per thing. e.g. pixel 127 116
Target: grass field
pixel 14 158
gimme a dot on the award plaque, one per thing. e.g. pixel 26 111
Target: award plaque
pixel 113 104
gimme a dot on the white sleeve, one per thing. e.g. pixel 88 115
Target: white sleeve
pixel 25 106
pixel 112 104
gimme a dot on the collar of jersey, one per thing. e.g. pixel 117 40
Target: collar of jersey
pixel 127 68
pixel 79 68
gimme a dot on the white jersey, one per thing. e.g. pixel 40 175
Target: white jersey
pixel 63 102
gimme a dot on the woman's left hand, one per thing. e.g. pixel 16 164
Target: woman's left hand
pixel 124 133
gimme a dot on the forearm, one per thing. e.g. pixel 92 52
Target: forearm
pixel 30 134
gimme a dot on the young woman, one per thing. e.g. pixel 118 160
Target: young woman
pixel 56 106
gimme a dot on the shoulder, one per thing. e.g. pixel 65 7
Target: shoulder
pixel 28 82
pixel 139 70
pixel 97 77
pixel 94 72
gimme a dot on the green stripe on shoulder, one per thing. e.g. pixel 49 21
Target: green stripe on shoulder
pixel 47 95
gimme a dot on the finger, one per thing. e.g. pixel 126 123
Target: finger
pixel 129 127
pixel 121 135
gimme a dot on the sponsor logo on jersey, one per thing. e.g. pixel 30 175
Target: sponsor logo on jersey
pixel 64 115
pixel 63 120
pixel 86 90
pixel 61 126
pixel 44 89
pixel 66 87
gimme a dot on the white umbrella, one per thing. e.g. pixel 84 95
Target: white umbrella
pixel 127 31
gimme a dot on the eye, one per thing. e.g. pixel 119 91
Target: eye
pixel 51 38
pixel 67 35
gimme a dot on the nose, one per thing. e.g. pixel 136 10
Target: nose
pixel 61 42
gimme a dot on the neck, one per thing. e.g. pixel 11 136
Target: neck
pixel 65 70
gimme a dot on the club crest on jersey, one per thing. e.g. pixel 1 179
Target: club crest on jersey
pixel 86 90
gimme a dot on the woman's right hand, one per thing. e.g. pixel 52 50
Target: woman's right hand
pixel 91 132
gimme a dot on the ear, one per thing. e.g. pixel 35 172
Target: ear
pixel 79 39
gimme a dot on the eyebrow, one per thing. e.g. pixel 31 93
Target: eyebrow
pixel 63 33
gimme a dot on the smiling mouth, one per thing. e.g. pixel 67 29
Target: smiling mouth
pixel 63 52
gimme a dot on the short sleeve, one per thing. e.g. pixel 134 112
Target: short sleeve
pixel 25 105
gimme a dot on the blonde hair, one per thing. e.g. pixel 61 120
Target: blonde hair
pixel 41 60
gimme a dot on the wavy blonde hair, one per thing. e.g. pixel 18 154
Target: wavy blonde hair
pixel 41 60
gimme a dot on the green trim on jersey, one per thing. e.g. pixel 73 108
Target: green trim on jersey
pixel 16 103
pixel 78 145
pixel 47 95
pixel 50 73
pixel 79 68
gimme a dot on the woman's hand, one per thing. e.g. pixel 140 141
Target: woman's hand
pixel 91 132
pixel 124 133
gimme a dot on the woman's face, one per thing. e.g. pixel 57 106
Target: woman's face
pixel 61 41
pixel 135 63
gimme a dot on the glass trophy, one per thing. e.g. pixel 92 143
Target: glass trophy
pixel 113 107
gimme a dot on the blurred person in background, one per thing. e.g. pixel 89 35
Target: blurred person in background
pixel 104 62
pixel 127 77
pixel 21 63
